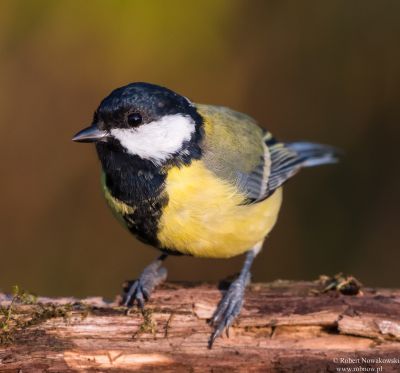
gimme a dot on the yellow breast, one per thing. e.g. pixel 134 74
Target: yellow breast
pixel 204 216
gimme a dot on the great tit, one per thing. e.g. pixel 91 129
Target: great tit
pixel 192 179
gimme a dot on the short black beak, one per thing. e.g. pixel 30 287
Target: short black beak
pixel 90 134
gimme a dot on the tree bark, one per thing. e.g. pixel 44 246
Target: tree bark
pixel 283 327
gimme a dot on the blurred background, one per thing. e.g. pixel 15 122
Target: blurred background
pixel 326 71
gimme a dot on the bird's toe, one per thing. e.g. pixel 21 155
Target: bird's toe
pixel 139 291
pixel 228 309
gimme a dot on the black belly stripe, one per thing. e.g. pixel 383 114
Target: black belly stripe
pixel 139 183
pixel 143 222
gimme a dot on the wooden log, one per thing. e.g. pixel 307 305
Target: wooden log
pixel 284 326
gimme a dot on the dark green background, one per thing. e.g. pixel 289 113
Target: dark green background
pixel 326 71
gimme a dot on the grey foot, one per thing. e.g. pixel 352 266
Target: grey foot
pixel 139 291
pixel 229 308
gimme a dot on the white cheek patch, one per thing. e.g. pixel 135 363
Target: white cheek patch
pixel 156 141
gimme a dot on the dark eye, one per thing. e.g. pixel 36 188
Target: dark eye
pixel 134 119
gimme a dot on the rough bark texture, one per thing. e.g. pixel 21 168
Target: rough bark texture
pixel 283 327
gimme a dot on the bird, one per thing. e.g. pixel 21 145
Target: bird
pixel 192 179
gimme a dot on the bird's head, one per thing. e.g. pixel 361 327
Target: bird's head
pixel 146 121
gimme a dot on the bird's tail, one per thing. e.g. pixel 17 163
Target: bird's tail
pixel 312 154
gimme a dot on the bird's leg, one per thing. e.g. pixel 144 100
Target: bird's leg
pixel 139 290
pixel 231 304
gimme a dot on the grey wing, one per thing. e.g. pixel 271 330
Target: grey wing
pixel 239 151
pixel 286 159
pixel 234 150
pixel 255 184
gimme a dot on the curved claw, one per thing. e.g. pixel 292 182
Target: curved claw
pixel 228 309
pixel 139 291
pixel 129 298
